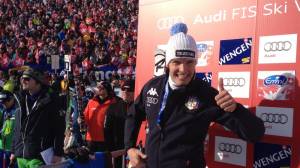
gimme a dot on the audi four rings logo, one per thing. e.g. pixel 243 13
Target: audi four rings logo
pixel 234 82
pixel 278 46
pixel 231 148
pixel 274 118
pixel 167 22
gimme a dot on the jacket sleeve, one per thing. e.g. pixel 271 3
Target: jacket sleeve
pixel 108 130
pixel 135 115
pixel 244 123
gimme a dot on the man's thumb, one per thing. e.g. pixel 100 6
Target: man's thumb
pixel 221 84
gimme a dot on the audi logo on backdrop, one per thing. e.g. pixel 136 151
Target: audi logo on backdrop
pixel 168 22
pixel 234 82
pixel 231 148
pixel 274 118
pixel 278 46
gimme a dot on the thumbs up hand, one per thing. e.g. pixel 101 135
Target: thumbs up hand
pixel 224 99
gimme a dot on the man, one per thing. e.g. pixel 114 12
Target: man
pixel 40 123
pixel 94 116
pixel 127 91
pixel 179 109
pixel 115 119
pixel 11 107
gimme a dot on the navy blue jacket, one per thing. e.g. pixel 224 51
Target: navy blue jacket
pixel 177 141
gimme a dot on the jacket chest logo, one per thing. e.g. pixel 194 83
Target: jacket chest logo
pixel 192 103
pixel 152 97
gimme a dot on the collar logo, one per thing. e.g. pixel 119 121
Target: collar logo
pixel 192 103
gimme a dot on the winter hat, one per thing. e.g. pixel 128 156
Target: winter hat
pixel 180 45
pixel 106 85
pixel 128 85
pixel 35 74
pixel 5 96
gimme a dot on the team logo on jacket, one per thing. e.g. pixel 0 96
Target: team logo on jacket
pixel 152 92
pixel 192 103
pixel 152 96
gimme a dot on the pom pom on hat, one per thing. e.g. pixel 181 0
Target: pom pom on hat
pixel 177 28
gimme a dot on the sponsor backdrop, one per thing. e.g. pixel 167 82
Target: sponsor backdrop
pixel 254 46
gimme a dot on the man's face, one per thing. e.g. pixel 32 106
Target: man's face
pixel 181 70
pixel 7 104
pixel 127 95
pixel 28 83
pixel 102 92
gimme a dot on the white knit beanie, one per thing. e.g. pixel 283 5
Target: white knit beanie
pixel 181 45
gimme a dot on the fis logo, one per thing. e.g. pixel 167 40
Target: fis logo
pixel 276 85
pixel 205 53
pixel 236 51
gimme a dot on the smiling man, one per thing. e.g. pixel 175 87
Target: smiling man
pixel 179 109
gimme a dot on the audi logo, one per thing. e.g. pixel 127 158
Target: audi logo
pixel 152 100
pixel 231 148
pixel 167 22
pixel 234 82
pixel 274 118
pixel 278 46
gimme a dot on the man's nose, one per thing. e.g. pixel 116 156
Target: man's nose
pixel 183 67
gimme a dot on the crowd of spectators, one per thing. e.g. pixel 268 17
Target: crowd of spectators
pixel 94 33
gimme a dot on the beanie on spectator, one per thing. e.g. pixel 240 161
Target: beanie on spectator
pixel 128 85
pixel 5 96
pixel 35 74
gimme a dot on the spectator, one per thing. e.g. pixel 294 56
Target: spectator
pixel 43 119
pixel 115 120
pixel 94 116
pixel 11 107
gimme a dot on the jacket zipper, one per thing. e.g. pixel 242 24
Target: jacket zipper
pixel 24 136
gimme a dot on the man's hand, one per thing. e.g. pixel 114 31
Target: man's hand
pixel 136 158
pixel 224 99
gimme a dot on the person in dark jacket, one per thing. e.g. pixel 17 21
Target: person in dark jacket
pixel 115 119
pixel 40 123
pixel 179 109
